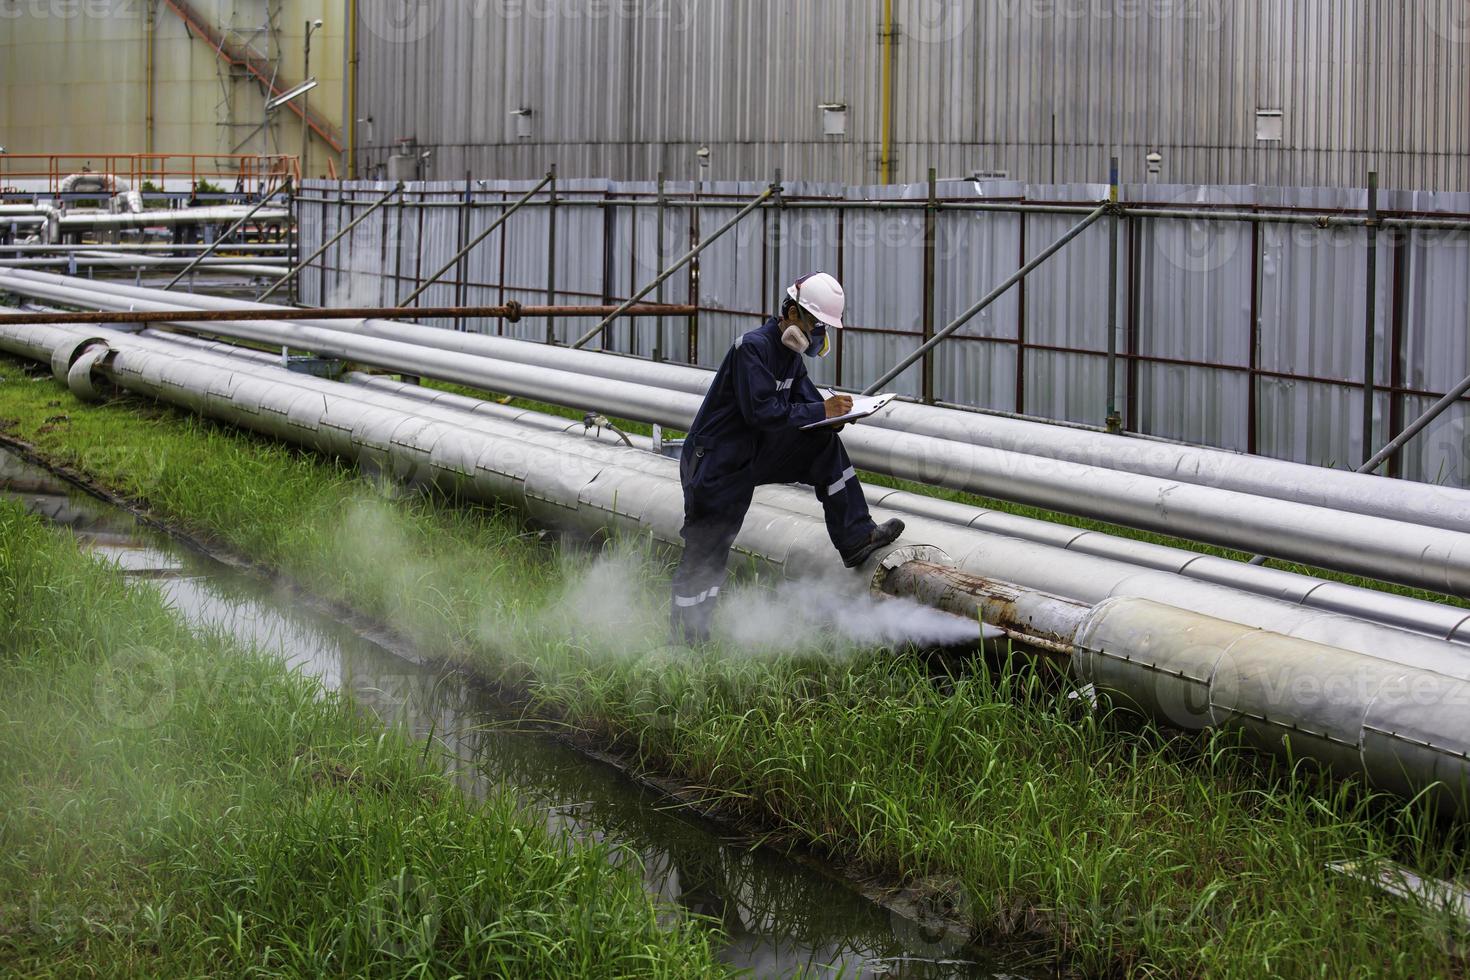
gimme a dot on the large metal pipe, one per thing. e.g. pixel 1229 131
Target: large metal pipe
pixel 1376 547
pixel 1417 503
pixel 221 214
pixel 124 248
pixel 1403 730
pixel 1041 567
pixel 1390 609
pixel 98 261
pixel 1047 567
pixel 1400 724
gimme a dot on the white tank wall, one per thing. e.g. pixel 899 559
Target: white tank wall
pixel 73 77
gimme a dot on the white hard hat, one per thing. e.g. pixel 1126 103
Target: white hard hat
pixel 820 295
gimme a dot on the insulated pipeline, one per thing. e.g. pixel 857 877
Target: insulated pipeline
pixel 1419 503
pixel 1429 618
pixel 1376 547
pixel 978 551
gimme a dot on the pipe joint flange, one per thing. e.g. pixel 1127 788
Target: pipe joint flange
pixel 80 378
pixel 878 567
pixel 64 356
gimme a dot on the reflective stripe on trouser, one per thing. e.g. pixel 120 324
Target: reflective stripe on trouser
pixel 714 509
pixel 700 574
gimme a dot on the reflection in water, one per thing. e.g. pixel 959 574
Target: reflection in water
pixel 781 917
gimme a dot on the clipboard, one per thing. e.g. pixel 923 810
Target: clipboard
pixel 862 407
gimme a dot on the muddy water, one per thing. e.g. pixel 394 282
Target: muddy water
pixel 781 917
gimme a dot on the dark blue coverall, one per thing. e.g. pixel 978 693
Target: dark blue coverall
pixel 748 434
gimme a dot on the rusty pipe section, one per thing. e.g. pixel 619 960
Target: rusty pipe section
pixel 1036 620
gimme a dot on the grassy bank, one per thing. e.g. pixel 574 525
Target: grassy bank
pixel 174 806
pixel 1125 850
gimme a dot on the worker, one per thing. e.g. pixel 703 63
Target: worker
pixel 749 432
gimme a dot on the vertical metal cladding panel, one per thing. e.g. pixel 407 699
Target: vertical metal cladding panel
pixel 675 330
pixel 732 273
pixel 321 278
pixel 883 272
pixel 974 252
pixel 579 241
pixel 1066 306
pixel 626 269
pixel 404 246
pixel 808 243
pixel 637 258
pixel 1436 342
pixel 526 264
pixel 308 232
pixel 1194 304
pixel 1312 322
pixel 355 264
pixel 482 265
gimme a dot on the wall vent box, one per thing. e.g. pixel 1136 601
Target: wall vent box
pixel 834 118
pixel 1269 128
pixel 403 166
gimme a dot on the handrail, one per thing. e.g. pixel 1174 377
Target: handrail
pixel 265 171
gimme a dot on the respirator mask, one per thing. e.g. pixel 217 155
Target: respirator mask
pixel 813 345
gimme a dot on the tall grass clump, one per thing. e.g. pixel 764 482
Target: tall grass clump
pixel 171 805
pixel 976 787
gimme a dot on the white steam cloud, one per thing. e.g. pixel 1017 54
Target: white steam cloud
pixel 806 613
pixel 616 603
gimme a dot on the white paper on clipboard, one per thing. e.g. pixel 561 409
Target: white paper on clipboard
pixel 862 407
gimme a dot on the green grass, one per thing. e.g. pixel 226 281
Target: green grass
pixel 1124 849
pixel 171 805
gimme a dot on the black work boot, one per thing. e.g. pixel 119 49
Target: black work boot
pixel 882 535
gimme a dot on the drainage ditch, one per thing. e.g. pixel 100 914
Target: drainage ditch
pixel 781 916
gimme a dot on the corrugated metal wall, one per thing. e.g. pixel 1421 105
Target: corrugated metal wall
pixel 1042 90
pixel 1232 333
